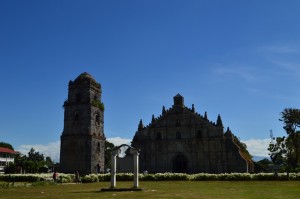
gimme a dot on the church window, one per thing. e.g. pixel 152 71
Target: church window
pixel 76 116
pixel 178 123
pixel 158 136
pixel 199 134
pixel 78 97
pixel 97 119
pixel 178 135
pixel 98 147
pixel 95 97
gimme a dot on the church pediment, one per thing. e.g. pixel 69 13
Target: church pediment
pixel 178 115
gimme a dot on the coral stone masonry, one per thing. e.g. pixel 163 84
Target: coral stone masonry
pixel 181 140
pixel 83 139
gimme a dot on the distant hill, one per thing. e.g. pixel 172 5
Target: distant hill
pixel 258 158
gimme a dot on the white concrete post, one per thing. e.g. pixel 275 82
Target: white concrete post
pixel 136 167
pixel 113 168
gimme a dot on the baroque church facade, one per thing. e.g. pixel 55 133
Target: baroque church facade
pixel 83 139
pixel 183 141
pixel 180 140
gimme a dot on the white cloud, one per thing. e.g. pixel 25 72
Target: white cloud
pixel 290 66
pixel 244 73
pixel 279 49
pixel 52 149
pixel 284 56
pixel 117 141
pixel 258 147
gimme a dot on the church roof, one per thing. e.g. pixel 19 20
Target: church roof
pixel 83 77
pixel 178 95
pixel 185 110
pixel 86 77
pixel 7 150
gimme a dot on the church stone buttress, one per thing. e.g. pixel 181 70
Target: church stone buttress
pixel 83 139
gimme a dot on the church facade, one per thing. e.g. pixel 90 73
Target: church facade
pixel 83 139
pixel 183 141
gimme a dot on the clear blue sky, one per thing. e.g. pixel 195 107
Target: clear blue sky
pixel 236 58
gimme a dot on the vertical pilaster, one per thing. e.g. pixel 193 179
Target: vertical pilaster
pixel 113 179
pixel 136 167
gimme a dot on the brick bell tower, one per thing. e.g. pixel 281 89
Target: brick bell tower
pixel 83 139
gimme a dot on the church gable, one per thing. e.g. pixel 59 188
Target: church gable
pixel 182 140
pixel 185 121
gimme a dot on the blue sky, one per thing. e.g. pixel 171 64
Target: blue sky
pixel 236 58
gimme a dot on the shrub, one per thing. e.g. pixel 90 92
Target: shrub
pixel 21 178
pixel 90 178
pixel 67 178
pixel 124 176
pixel 233 177
pixel 147 177
pixel 203 177
pixel 104 177
pixel 263 176
pixel 35 177
pixel 171 176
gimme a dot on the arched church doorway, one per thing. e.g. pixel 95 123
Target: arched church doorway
pixel 180 164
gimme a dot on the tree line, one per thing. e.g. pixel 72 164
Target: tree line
pixel 33 162
pixel 285 150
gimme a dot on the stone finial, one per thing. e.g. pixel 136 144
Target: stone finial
pixel 219 121
pixel 228 130
pixel 178 100
pixel 163 110
pixel 193 108
pixel 153 118
pixel 141 125
pixel 205 115
pixel 228 133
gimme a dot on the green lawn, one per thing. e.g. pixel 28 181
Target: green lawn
pixel 162 189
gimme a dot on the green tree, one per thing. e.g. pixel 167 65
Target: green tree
pixel 34 162
pixel 6 145
pixel 277 150
pixel 108 148
pixel 49 162
pixel 286 150
pixel 35 156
